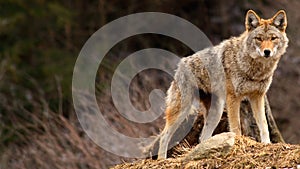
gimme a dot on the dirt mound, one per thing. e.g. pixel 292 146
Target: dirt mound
pixel 246 153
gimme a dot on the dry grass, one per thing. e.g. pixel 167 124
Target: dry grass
pixel 246 153
pixel 35 136
pixel 60 146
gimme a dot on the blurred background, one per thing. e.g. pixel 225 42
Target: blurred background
pixel 40 41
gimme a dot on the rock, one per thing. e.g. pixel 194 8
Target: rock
pixel 220 143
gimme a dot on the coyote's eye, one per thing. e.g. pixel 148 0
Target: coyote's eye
pixel 274 38
pixel 258 39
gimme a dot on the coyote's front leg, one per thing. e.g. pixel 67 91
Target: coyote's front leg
pixel 233 112
pixel 258 109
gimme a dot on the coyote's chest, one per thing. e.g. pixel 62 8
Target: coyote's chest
pixel 244 86
pixel 246 76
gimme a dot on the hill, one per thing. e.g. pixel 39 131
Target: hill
pixel 245 153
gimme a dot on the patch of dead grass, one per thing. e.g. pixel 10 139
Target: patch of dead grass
pixel 246 153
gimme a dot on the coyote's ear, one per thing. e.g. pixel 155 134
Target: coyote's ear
pixel 280 21
pixel 252 20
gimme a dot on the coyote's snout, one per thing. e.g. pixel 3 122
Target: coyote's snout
pixel 247 63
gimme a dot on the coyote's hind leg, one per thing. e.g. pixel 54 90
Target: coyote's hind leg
pixel 214 114
pixel 175 115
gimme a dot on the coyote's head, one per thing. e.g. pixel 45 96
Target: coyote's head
pixel 266 37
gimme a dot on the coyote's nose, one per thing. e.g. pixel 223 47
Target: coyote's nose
pixel 267 52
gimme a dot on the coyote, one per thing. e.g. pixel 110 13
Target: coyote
pixel 238 68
